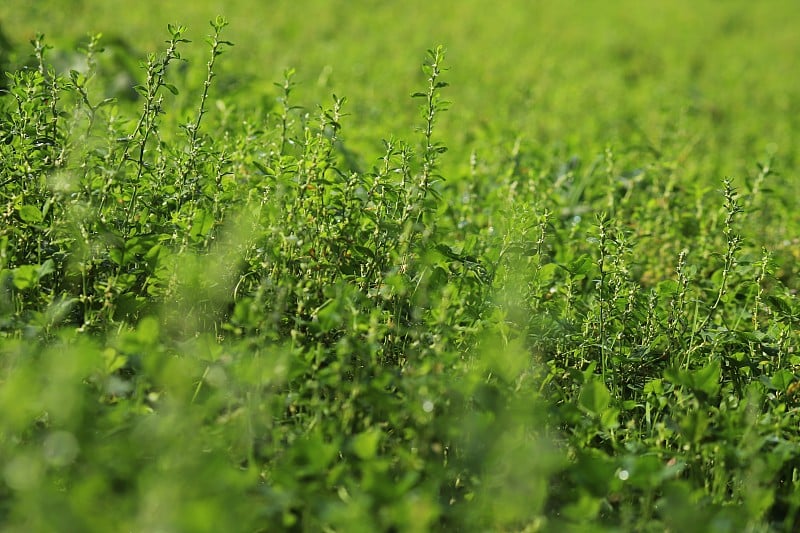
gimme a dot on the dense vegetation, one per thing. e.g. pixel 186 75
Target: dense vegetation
pixel 546 282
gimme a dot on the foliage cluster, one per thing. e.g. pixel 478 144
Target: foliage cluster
pixel 212 319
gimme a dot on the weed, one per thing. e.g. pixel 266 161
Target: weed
pixel 217 316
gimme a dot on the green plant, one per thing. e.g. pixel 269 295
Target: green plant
pixel 224 309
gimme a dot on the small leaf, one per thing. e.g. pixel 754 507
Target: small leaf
pixel 667 287
pixel 329 316
pixel 116 256
pixel 654 386
pixel 678 376
pixel 782 379
pixel 779 303
pixel 594 397
pixel 264 168
pixel 609 418
pixel 25 276
pixel 148 330
pixel 202 223
pixel 30 213
pixel 365 445
pixel 113 360
pixel 365 251
pixel 48 267
pixel 706 379
pixel 219 22
pixel 580 266
pixel 694 425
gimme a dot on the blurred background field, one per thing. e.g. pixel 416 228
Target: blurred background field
pixel 720 78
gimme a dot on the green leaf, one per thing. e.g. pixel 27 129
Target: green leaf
pixel 202 223
pixel 28 276
pixel 148 330
pixel 46 268
pixel 667 288
pixel 584 509
pixel 365 445
pixel 547 272
pixel 580 266
pixel 694 425
pixel 367 252
pixel 25 276
pixel 609 418
pixel 654 386
pixel 780 304
pixel 782 379
pixel 329 316
pixel 113 360
pixel 116 255
pixel 30 213
pixel 594 397
pixel 677 376
pixel 706 379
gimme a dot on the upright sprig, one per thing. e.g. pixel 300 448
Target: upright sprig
pixel 80 82
pixel 602 235
pixel 431 108
pixel 733 240
pixel 284 116
pixel 733 244
pixel 39 51
pixel 761 274
pixel 676 314
pixel 192 128
pixel 147 126
pixel 52 86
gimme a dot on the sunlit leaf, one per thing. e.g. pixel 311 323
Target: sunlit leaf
pixel 595 396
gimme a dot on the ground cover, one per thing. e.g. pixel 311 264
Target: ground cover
pixel 286 279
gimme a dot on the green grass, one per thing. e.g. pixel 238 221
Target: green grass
pixel 286 279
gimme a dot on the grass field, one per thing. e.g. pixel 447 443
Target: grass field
pixel 328 266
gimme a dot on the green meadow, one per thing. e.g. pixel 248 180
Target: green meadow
pixel 418 266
